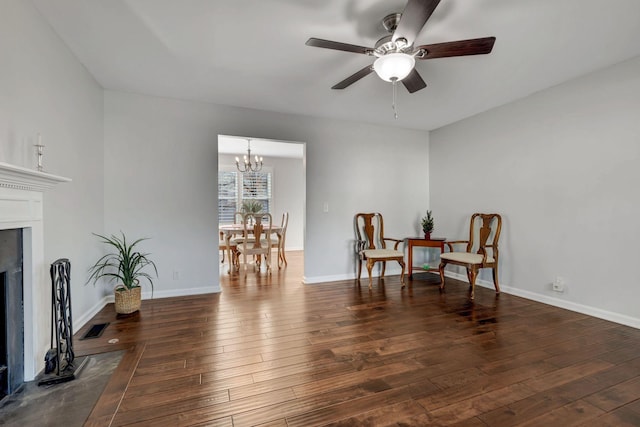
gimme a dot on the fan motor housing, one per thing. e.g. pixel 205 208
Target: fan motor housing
pixel 386 45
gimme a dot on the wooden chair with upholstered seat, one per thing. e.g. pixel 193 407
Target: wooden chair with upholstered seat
pixel 371 244
pixel 222 246
pixel 259 226
pixel 233 242
pixel 481 250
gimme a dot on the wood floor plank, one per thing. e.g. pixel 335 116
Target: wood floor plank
pixel 480 404
pixel 615 396
pixel 356 406
pixel 406 413
pixel 572 414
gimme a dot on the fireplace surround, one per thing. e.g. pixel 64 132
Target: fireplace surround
pixel 21 198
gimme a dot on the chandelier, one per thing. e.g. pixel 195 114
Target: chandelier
pixel 247 165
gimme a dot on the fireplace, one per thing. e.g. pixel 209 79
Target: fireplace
pixel 21 197
pixel 11 312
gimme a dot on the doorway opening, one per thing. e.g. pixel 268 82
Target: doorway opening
pixel 279 186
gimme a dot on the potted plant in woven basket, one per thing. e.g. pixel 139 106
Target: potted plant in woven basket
pixel 125 266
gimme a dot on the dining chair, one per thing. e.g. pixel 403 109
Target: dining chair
pixel 259 225
pixel 371 244
pixel 222 246
pixel 481 250
pixel 238 218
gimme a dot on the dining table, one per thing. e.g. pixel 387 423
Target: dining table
pixel 231 230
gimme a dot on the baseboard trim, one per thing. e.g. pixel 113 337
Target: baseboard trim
pixel 556 302
pixel 79 322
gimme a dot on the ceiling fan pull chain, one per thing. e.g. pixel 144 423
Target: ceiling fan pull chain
pixel 393 103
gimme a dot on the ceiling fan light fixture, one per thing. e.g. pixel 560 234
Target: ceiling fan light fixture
pixel 394 66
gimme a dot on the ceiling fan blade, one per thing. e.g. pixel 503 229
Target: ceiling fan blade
pixel 458 48
pixel 413 82
pixel 328 44
pixel 414 16
pixel 354 78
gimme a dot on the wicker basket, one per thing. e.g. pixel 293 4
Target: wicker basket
pixel 127 300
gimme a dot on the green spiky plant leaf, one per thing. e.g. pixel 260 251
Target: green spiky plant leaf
pixel 252 206
pixel 124 265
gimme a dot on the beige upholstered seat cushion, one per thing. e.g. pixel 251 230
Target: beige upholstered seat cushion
pixel 223 244
pixel 251 242
pixel 381 253
pixel 238 240
pixel 465 257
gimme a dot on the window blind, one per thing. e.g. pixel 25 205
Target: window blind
pixel 235 187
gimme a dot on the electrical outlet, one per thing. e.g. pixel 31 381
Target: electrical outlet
pixel 176 275
pixel 558 284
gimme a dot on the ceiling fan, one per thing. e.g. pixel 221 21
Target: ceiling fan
pixel 396 53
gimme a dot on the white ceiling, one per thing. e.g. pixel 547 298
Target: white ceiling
pixel 252 53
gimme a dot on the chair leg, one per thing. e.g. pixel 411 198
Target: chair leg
pixel 495 279
pixel 384 267
pixel 469 277
pixel 473 273
pixel 281 256
pixel 359 268
pixel 441 270
pixel 370 263
pixel 401 262
pixel 231 263
pixel 267 260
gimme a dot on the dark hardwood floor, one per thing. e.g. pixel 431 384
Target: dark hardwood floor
pixel 270 351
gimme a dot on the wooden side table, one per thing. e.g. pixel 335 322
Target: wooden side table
pixel 434 242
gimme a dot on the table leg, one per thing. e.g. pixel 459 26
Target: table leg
pixel 410 266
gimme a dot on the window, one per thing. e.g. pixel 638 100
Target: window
pixel 235 187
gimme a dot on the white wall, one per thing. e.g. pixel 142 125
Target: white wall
pixel 43 89
pixel 561 166
pixel 287 192
pixel 161 175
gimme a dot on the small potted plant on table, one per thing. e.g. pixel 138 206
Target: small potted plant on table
pixel 427 225
pixel 125 267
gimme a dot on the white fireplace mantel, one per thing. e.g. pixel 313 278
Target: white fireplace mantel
pixel 21 196
pixel 20 178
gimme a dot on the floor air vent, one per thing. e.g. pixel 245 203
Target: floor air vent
pixel 95 331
